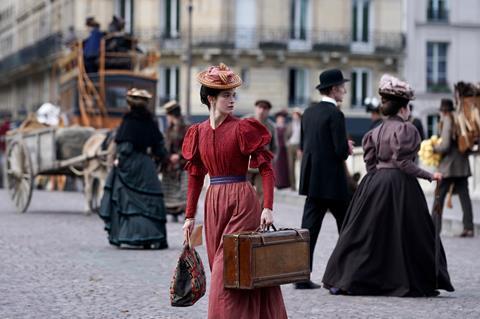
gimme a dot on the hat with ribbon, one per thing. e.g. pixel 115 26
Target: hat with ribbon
pixel 392 86
pixel 219 77
pixel 134 92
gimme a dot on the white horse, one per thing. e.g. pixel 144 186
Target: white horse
pixel 95 170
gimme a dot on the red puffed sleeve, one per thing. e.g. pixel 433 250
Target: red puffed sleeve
pixel 196 170
pixel 253 139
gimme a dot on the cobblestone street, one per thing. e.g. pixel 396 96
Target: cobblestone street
pixel 56 263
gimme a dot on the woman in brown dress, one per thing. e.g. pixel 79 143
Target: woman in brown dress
pixel 222 146
pixel 387 241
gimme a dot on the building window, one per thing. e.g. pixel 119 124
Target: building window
pixel 297 87
pixel 168 84
pixel 361 21
pixel 245 76
pixel 124 8
pixel 437 10
pixel 437 67
pixel 360 87
pixel 432 124
pixel 171 18
pixel 298 19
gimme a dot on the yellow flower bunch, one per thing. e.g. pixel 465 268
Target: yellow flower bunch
pixel 426 153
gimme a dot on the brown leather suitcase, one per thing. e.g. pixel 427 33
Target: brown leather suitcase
pixel 263 259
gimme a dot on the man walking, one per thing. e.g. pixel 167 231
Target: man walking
pixel 325 148
pixel 454 166
pixel 262 111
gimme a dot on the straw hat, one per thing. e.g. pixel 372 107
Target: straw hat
pixel 134 92
pixel 219 77
pixel 170 106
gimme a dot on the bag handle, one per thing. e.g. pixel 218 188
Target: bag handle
pixel 186 241
pixel 260 230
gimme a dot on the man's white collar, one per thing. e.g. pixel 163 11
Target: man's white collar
pixel 328 99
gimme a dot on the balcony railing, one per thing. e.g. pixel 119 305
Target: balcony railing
pixel 36 52
pixel 279 39
pixel 438 15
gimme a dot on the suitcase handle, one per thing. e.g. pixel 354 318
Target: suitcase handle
pixel 259 230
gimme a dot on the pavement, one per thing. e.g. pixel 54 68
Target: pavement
pixel 55 262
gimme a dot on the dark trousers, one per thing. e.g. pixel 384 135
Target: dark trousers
pixel 460 188
pixel 313 213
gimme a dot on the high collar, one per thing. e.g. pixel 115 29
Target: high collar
pixel 328 99
pixel 396 118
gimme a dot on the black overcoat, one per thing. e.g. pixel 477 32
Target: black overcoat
pixel 325 148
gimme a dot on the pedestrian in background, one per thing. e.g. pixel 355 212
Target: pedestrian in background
pixel 281 158
pixel 293 145
pixel 325 148
pixel 454 167
pixel 174 177
pixel 262 111
pixel 223 146
pixel 132 206
pixel 387 243
pixel 4 128
pixel 417 123
pixel 91 45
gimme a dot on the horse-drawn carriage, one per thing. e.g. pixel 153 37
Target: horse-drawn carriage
pixel 92 104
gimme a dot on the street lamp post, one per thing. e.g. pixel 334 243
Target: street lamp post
pixel 189 60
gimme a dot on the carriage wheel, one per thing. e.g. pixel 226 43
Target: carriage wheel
pixel 19 175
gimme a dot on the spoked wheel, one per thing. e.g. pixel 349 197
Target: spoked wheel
pixel 19 175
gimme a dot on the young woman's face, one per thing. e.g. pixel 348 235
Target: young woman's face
pixel 224 102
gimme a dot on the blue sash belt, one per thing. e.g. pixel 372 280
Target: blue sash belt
pixel 215 180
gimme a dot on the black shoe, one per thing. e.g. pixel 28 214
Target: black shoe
pixel 307 285
pixel 466 233
pixel 337 291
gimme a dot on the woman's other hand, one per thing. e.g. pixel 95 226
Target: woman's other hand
pixel 437 176
pixel 266 219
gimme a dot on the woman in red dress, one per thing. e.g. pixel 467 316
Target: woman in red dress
pixel 222 146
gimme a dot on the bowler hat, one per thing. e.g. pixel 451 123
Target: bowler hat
pixel 330 78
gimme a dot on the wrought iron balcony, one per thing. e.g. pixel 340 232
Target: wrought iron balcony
pixel 437 15
pixel 34 53
pixel 268 38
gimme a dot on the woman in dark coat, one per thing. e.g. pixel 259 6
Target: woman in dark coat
pixel 132 206
pixel 387 241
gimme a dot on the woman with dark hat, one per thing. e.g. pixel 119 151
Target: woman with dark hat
pixel 174 177
pixel 222 146
pixel 132 205
pixel 387 244
pixel 281 159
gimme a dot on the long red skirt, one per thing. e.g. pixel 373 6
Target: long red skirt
pixel 231 208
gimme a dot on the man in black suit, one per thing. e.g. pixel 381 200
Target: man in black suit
pixel 325 148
